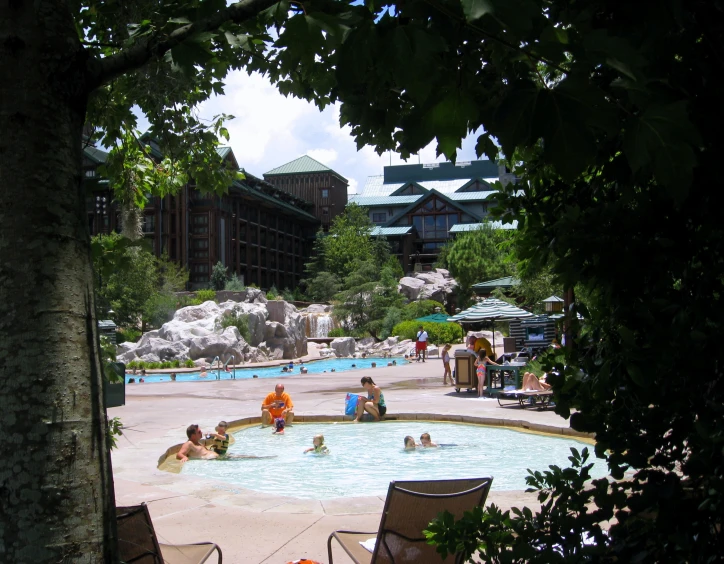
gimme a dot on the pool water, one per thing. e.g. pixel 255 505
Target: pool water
pixel 315 367
pixel 365 457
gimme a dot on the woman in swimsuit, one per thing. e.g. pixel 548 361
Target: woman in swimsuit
pixel 374 403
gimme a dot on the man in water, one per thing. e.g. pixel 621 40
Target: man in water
pixel 193 447
pixel 277 404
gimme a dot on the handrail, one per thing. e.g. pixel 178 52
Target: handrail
pixel 218 371
pixel 232 356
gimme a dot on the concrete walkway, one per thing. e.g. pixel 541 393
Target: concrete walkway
pixel 251 526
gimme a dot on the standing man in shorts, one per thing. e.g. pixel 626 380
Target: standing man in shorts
pixel 421 344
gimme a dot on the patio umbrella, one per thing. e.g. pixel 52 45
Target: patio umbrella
pixel 434 318
pixel 490 309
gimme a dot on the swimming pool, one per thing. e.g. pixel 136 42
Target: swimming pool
pixel 315 367
pixel 365 457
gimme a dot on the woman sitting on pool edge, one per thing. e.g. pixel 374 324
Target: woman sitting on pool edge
pixel 374 403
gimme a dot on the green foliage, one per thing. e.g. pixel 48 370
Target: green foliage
pixel 369 293
pixel 337 332
pixel 189 363
pixel 438 333
pixel 347 243
pixel 138 286
pixel 128 334
pixel 236 318
pixel 322 287
pixel 288 295
pixel 234 283
pixel 138 364
pixel 219 275
pixel 204 296
pixel 114 428
pixel 391 319
pixel 272 293
pixel 413 310
pixel 479 255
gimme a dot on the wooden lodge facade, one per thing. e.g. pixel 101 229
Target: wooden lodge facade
pixel 314 182
pixel 257 231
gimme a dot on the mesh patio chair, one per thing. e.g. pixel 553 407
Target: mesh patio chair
pixel 137 542
pixel 409 508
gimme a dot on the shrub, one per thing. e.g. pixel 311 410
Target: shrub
pixel 272 294
pixel 413 310
pixel 392 318
pixel 153 365
pixel 218 276
pixel 234 284
pixel 176 364
pixel 438 333
pixel 337 332
pixel 204 296
pixel 189 363
pixel 127 334
pixel 235 318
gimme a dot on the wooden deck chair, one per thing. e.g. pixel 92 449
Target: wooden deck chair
pixel 137 542
pixel 409 508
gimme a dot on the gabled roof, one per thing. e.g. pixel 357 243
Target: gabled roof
pixel 375 186
pixel 470 196
pixel 505 282
pixel 302 165
pixel 404 187
pixel 423 199
pixel 474 180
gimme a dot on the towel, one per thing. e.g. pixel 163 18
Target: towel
pixel 369 544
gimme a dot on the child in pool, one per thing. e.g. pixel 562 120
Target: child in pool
pixel 219 441
pixel 279 426
pixel 426 442
pixel 409 443
pixel 319 446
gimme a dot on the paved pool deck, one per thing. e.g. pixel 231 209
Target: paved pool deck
pixel 253 527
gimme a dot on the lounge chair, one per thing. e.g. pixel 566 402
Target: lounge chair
pixel 526 398
pixel 409 508
pixel 137 542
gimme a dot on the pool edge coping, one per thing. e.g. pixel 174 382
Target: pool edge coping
pixel 516 424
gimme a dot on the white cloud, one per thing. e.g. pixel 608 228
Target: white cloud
pixel 324 156
pixel 270 130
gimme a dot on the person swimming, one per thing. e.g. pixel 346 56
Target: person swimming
pixel 410 443
pixel 318 446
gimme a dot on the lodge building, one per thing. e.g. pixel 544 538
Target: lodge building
pixel 263 234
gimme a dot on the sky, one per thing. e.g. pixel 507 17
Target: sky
pixel 270 130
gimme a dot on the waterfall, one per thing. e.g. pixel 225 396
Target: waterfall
pixel 319 325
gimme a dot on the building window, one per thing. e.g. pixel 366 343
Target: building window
pixel 325 214
pixel 149 224
pixel 199 248
pixel 90 173
pixel 379 217
pixel 325 193
pixel 200 224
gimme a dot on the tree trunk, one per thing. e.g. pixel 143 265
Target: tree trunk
pixel 56 487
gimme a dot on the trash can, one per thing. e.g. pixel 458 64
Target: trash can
pixel 465 376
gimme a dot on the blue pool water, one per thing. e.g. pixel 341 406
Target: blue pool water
pixel 365 457
pixel 316 367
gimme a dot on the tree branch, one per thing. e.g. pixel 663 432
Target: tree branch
pixel 103 70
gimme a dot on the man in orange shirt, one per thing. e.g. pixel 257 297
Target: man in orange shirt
pixel 277 404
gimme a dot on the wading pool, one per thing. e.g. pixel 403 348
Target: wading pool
pixel 365 457
pixel 314 367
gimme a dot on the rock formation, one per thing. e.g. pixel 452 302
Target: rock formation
pixel 434 285
pixel 196 333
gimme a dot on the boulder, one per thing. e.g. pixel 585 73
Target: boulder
pixel 255 296
pixel 317 308
pixel 221 345
pixel 164 350
pixel 343 346
pixel 410 287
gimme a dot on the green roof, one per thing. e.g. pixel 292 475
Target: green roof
pixel 505 282
pixel 94 154
pixel 300 166
pixel 462 227
pixel 387 231
pixel 243 187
